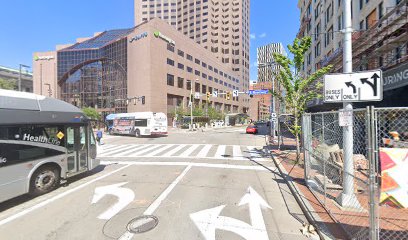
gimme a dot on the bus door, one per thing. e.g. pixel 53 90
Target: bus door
pixel 77 149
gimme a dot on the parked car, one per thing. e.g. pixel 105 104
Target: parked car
pixel 252 129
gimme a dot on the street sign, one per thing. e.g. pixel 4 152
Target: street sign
pixel 354 87
pixel 345 118
pixel 258 92
pixel 215 94
pixel 235 93
pixel 197 95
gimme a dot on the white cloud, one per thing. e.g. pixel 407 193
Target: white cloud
pixel 262 35
pixel 252 36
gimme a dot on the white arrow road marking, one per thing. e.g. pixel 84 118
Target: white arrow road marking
pixel 57 197
pixel 150 210
pixel 255 203
pixel 207 221
pixel 125 196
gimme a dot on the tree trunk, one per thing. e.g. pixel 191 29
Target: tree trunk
pixel 297 138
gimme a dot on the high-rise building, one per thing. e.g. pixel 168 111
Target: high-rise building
pixel 267 67
pixel 379 39
pixel 221 26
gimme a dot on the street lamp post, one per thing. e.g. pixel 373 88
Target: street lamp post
pixel 19 76
pixel 191 101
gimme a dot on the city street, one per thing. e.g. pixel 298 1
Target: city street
pixel 210 185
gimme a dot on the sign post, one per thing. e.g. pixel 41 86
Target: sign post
pixel 347 88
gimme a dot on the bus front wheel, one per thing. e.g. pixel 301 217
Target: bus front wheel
pixel 137 133
pixel 44 180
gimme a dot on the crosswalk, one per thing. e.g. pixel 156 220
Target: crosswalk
pixel 230 152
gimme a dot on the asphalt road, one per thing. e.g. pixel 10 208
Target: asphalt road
pixel 207 185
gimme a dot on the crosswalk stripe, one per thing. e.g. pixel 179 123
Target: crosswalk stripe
pixel 145 150
pixel 204 151
pixel 173 151
pixel 130 151
pixel 108 147
pixel 189 151
pixel 159 150
pixel 220 151
pixel 117 150
pixel 183 150
pixel 253 151
pixel 237 153
pixel 111 148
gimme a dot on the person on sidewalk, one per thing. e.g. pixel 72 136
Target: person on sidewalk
pixel 99 136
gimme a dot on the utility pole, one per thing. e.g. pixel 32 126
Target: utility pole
pixel 347 198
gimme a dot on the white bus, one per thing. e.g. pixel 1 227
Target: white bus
pixel 140 124
pixel 43 141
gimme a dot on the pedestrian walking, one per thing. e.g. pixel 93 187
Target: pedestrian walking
pixel 99 136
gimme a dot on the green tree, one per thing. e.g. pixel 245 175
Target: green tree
pixel 7 84
pixel 198 111
pixel 298 88
pixel 213 114
pixel 91 113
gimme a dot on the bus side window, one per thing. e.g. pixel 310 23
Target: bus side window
pixel 91 137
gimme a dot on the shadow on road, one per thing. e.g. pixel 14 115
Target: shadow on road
pixel 27 197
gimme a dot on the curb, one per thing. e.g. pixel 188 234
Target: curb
pixel 307 209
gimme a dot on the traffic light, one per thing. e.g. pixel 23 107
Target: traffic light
pixel 143 100
pixel 208 96
pixel 228 95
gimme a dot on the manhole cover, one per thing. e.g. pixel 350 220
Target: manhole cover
pixel 142 224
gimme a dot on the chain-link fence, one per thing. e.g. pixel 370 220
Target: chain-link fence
pixel 345 194
pixel 392 168
pixel 365 190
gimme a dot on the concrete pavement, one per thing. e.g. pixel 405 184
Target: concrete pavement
pixel 192 197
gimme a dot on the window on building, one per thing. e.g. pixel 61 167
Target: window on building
pixel 180 53
pixel 180 82
pixel 189 57
pixel 380 10
pixel 196 72
pixel 170 62
pixel 170 80
pixel 189 69
pixel 197 61
pixel 188 84
pixel 180 66
pixel 170 47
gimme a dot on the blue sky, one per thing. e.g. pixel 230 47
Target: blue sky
pixel 29 26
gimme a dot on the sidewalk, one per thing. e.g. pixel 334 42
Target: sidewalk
pixel 294 175
pixel 392 221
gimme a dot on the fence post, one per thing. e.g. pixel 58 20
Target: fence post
pixel 307 142
pixel 371 133
pixel 323 139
